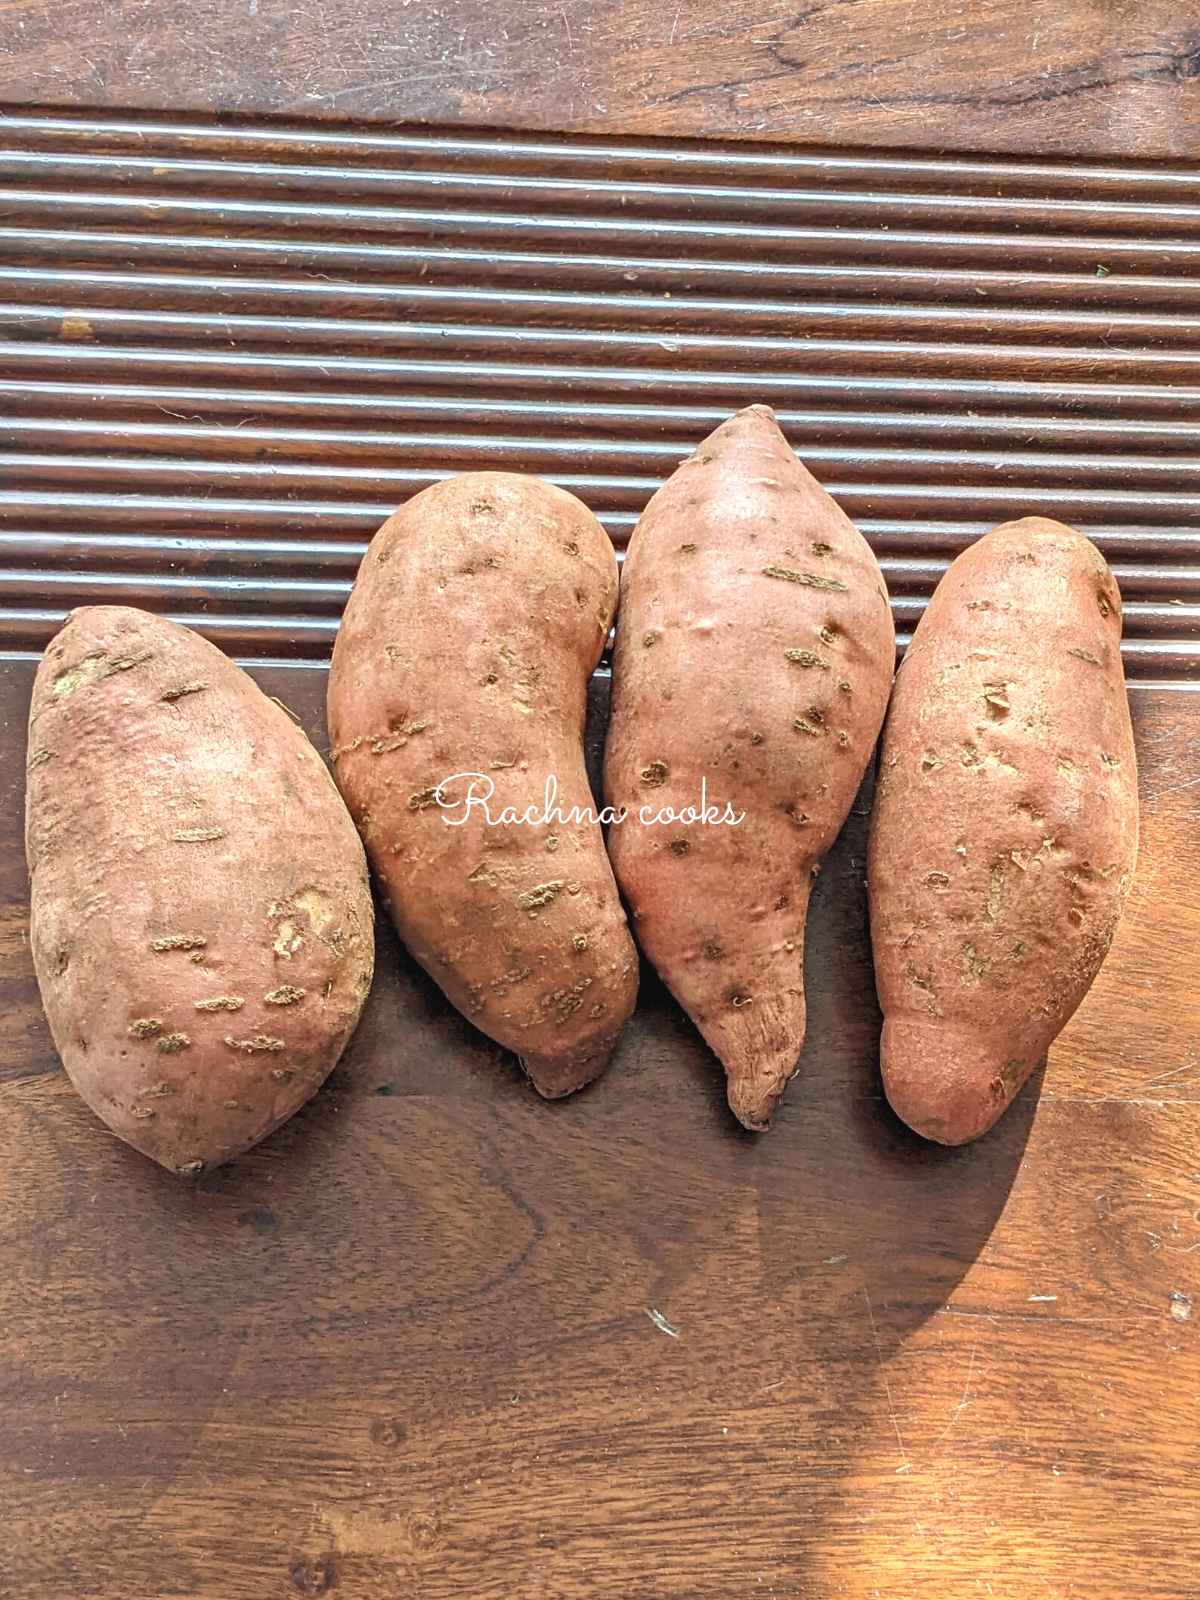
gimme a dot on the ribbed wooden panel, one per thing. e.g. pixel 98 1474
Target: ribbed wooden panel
pixel 227 352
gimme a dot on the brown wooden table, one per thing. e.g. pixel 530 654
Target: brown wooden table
pixel 437 1339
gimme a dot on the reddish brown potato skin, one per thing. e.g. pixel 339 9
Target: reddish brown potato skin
pixel 478 615
pixel 1004 833
pixel 186 845
pixel 755 651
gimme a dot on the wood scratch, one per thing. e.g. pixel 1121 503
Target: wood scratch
pixel 960 1407
pixel 883 1375
pixel 567 26
pixel 1116 1099
pixel 1172 788
pixel 661 1323
pixel 1064 1322
pixel 1148 1083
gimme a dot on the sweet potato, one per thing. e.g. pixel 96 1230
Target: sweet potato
pixel 754 655
pixel 1005 825
pixel 477 617
pixel 201 922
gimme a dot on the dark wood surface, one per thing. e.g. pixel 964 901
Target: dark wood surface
pixel 1102 77
pixel 439 1339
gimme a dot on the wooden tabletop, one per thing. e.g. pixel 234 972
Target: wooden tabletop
pixel 1039 76
pixel 437 1339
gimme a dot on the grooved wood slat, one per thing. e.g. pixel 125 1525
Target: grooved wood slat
pixel 228 349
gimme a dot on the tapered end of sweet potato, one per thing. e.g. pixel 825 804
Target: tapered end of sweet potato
pixel 760 1054
pixel 557 1076
pixel 948 1084
pixel 753 1096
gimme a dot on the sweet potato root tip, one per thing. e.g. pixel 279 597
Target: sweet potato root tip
pixel 555 1077
pixel 946 1083
pixel 758 1038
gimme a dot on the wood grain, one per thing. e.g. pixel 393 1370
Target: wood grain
pixel 407 1346
pixel 1067 76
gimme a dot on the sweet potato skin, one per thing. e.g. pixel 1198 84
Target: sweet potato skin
pixel 1004 831
pixel 201 920
pixel 755 650
pixel 478 615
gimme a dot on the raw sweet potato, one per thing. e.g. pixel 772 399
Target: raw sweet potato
pixel 201 921
pixel 754 655
pixel 478 614
pixel 1005 826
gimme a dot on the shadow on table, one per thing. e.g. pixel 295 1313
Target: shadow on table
pixel 429 1237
